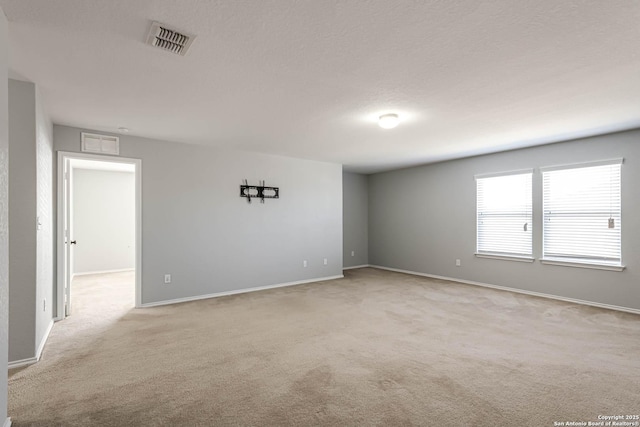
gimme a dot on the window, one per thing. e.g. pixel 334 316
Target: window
pixel 504 215
pixel 582 214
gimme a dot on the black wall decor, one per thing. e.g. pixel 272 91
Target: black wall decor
pixel 258 191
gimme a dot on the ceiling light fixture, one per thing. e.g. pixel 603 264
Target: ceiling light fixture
pixel 388 121
pixel 123 130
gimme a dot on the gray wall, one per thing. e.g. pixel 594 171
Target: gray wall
pixel 103 220
pixel 4 213
pixel 44 205
pixel 422 219
pixel 355 202
pixel 22 217
pixel 30 249
pixel 198 229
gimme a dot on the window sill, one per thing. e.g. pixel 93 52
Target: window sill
pixel 583 265
pixel 506 257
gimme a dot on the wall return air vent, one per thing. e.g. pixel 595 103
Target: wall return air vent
pixel 162 36
pixel 101 144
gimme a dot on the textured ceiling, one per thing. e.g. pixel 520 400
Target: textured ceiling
pixel 307 78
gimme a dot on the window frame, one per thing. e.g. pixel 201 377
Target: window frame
pixel 498 255
pixel 575 262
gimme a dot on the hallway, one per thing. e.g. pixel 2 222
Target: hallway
pixel 98 301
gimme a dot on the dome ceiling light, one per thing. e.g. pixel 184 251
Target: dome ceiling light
pixel 388 121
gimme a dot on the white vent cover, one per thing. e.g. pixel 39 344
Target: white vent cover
pixel 101 144
pixel 166 38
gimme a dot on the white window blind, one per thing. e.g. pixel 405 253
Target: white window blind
pixel 504 215
pixel 582 213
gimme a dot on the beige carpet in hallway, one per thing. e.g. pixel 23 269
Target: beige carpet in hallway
pixel 374 348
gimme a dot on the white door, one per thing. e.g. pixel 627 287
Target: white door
pixel 68 242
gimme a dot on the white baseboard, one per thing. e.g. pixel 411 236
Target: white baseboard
pixel 356 266
pixel 44 339
pixel 239 291
pixel 31 360
pixel 7 422
pixel 87 273
pixel 519 291
pixel 22 362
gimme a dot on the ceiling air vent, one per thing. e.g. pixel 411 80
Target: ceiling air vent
pixel 166 38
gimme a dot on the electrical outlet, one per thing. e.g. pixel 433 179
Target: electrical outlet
pixel 458 263
pixel 304 263
pixel 353 253
pixel 325 261
pixel 167 278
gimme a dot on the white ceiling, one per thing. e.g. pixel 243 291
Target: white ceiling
pixel 307 78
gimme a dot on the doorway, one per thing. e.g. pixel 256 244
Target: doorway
pixel 110 234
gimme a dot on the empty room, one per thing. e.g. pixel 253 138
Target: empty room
pixel 332 212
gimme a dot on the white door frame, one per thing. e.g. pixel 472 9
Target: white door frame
pixel 61 249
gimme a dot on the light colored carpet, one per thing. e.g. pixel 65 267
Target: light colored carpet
pixel 374 348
